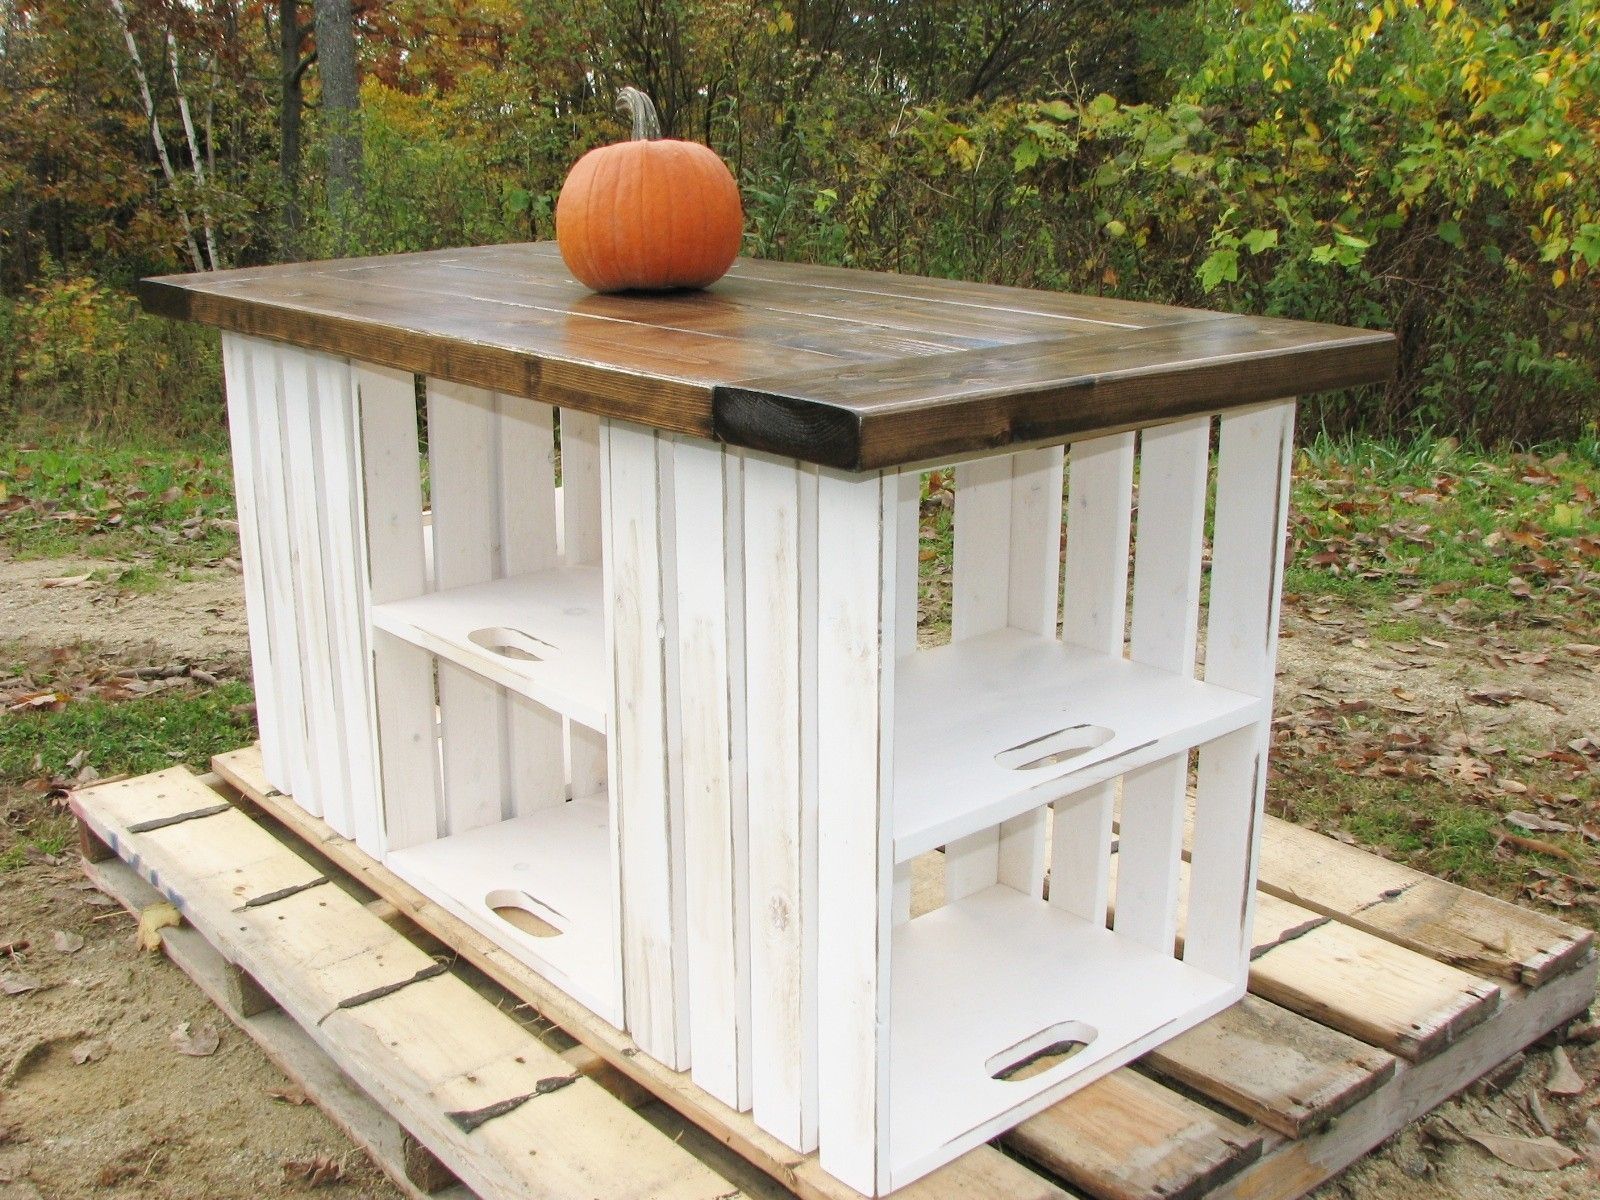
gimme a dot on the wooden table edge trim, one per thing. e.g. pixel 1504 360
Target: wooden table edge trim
pixel 779 418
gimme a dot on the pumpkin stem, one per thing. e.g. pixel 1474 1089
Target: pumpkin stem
pixel 646 125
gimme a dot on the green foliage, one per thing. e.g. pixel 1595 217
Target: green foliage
pixel 77 353
pixel 1419 165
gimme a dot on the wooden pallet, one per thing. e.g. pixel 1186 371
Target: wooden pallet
pixel 1377 993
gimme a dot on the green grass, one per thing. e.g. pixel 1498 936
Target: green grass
pixel 1483 535
pixel 181 726
pixel 170 507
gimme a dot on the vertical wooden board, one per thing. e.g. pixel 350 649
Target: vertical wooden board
pixel 536 775
pixel 1253 465
pixel 908 532
pixel 1094 606
pixel 782 980
pixel 1037 480
pixel 248 503
pixel 464 488
pixel 980 603
pixel 396 569
pixel 340 503
pixel 908 529
pixel 648 816
pixel 1034 605
pixel 1174 465
pixel 856 612
pixel 277 547
pixel 581 543
pixel 297 379
pixel 717 925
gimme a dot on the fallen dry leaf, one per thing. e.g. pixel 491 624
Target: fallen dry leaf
pixel 197 1042
pixel 66 943
pixel 88 1052
pixel 317 1171
pixel 1564 1080
pixel 15 983
pixel 65 580
pixel 153 920
pixel 1534 823
pixel 1530 1154
pixel 290 1096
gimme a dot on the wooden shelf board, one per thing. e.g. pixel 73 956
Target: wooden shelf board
pixel 957 706
pixel 560 608
pixel 559 858
pixel 983 975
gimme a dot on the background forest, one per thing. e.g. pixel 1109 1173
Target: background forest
pixel 1428 167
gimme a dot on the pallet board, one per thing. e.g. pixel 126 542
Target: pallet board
pixel 1288 1101
pixel 506 1113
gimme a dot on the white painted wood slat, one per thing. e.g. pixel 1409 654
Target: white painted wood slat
pixel 340 502
pixel 463 480
pixel 278 537
pixel 581 546
pixel 857 639
pixel 1255 453
pixel 396 569
pixel 1094 613
pixel 646 801
pixel 1174 465
pixel 253 507
pixel 535 770
pixel 710 556
pixel 779 499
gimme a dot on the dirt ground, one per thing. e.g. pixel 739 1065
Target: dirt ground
pixel 137 1118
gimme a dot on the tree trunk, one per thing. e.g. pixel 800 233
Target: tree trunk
pixel 341 106
pixel 290 107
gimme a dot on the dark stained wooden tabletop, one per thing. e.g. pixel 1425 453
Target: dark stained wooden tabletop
pixel 852 369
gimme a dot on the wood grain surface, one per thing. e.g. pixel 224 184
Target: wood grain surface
pixel 851 369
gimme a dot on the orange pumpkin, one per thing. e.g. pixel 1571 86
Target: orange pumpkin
pixel 651 214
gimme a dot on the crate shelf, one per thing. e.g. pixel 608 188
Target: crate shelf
pixel 542 635
pixel 1014 975
pixel 552 864
pixel 972 715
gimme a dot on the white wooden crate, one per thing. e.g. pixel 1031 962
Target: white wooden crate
pixel 893 1044
pixel 438 678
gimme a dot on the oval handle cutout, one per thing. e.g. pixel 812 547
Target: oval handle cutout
pixel 511 643
pixel 522 911
pixel 1040 1052
pixel 1054 748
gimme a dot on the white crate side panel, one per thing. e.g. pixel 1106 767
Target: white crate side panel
pixel 648 815
pixel 779 500
pixel 858 522
pixel 250 503
pixel 710 553
pixel 1253 474
pixel 396 569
